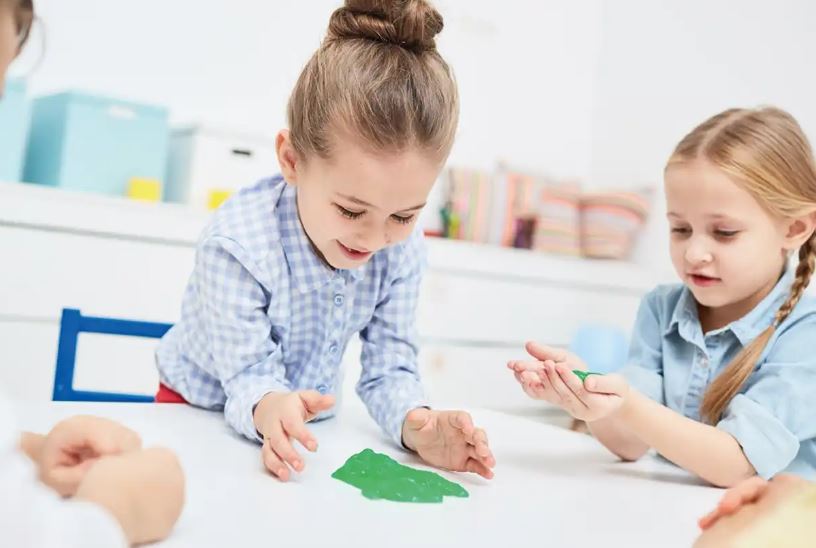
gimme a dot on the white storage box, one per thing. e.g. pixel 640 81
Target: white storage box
pixel 206 164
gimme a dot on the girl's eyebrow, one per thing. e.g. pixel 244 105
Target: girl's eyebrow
pixel 363 203
pixel 713 216
pixel 719 216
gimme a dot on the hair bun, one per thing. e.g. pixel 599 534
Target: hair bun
pixel 411 24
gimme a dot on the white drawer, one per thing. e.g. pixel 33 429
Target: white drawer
pixel 45 271
pixel 460 308
pixel 27 359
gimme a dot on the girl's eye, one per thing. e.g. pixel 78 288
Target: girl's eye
pixel 680 230
pixel 726 233
pixel 403 220
pixel 348 213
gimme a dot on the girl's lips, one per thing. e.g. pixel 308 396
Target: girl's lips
pixel 352 253
pixel 703 281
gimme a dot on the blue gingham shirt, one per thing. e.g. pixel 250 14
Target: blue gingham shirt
pixel 262 313
pixel 773 416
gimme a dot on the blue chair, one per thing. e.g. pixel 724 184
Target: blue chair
pixel 603 348
pixel 72 324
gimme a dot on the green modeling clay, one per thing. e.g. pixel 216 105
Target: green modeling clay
pixel 381 477
pixel 583 374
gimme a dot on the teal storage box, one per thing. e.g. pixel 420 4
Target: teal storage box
pixel 83 142
pixel 15 115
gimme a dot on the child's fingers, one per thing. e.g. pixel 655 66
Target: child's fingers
pixel 566 396
pixel 708 520
pixel 280 443
pixel 65 478
pixel 479 441
pixel 477 467
pixel 521 365
pixel 533 393
pixel 462 421
pixel 542 352
pixel 529 377
pixel 273 462
pixel 481 448
pixel 295 428
pixel 746 492
pixel 538 387
pixel 605 384
pixel 315 403
pixel 571 380
pixel 110 438
pixel 487 461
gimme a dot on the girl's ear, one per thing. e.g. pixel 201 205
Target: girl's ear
pixel 288 158
pixel 799 229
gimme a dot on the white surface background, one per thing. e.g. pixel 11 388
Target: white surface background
pixel 552 488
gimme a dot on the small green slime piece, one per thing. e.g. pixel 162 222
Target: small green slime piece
pixel 584 374
pixel 379 476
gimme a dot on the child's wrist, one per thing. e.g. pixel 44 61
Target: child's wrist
pixel 405 435
pixel 629 405
pixel 262 409
pixel 407 442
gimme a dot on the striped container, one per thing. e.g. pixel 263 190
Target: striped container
pixel 611 221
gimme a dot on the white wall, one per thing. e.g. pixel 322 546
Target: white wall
pixel 666 66
pixel 235 63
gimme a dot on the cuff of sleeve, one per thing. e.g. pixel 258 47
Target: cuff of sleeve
pixel 86 524
pixel 647 382
pixel 768 445
pixel 240 407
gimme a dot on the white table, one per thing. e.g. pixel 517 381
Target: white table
pixel 552 488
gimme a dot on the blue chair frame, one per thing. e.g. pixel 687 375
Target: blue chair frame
pixel 72 324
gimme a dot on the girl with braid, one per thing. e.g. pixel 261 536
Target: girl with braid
pixel 722 368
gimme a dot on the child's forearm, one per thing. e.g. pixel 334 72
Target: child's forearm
pixel 619 439
pixel 31 444
pixel 711 453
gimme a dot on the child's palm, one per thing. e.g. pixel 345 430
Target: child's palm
pixel 597 406
pixel 449 440
pixel 550 378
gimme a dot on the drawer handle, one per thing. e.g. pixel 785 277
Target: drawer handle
pixel 242 152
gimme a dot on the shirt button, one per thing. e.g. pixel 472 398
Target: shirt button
pixel 704 362
pixel 322 388
pixel 333 349
pixel 339 300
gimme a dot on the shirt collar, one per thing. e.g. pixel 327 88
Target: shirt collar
pixel 686 320
pixel 757 320
pixel 306 268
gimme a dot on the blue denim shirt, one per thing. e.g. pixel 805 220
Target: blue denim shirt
pixel 773 417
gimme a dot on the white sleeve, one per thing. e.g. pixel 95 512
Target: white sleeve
pixel 32 515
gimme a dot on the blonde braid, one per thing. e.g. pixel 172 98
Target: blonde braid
pixel 804 272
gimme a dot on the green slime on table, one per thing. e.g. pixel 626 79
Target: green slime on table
pixel 583 374
pixel 379 476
